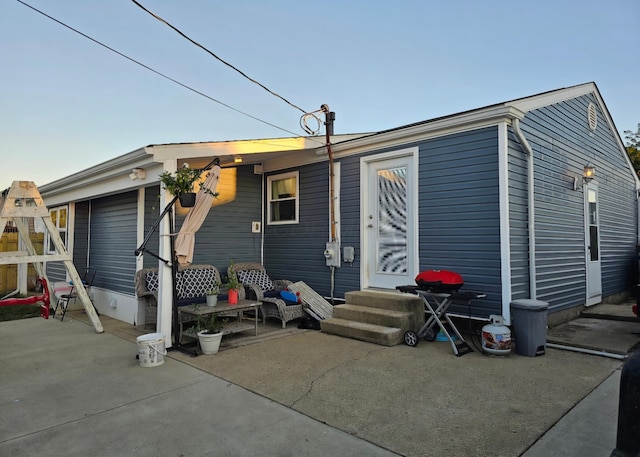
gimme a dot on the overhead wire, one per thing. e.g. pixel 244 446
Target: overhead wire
pixel 217 57
pixel 158 72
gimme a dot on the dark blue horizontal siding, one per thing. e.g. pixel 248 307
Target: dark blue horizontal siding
pixel 81 237
pixel 152 211
pixel 226 235
pixel 295 251
pixel 459 213
pixel 348 277
pixel 113 241
pixel 459 218
pixel 518 218
pixel 562 145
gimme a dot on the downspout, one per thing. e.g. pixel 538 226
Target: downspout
pixel 602 353
pixel 530 208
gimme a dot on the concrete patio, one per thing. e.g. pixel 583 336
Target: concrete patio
pixel 71 391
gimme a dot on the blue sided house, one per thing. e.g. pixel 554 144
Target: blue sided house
pixel 530 198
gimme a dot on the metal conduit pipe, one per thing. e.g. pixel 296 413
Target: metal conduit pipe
pixel 329 118
pixel 530 208
pixel 587 351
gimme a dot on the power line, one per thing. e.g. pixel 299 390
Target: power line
pixel 158 72
pixel 218 58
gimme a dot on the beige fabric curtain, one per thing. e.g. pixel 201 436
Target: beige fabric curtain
pixel 186 239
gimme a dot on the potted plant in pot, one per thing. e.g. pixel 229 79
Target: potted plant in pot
pixel 182 184
pixel 212 294
pixel 232 285
pixel 209 333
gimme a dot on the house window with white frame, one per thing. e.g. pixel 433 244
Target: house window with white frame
pixel 59 219
pixel 282 197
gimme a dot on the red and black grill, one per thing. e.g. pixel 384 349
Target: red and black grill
pixel 438 289
pixel 439 281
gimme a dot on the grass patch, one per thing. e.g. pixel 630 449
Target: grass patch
pixel 15 312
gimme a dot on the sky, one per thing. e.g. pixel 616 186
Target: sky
pixel 68 103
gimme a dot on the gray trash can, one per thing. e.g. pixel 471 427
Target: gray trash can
pixel 529 319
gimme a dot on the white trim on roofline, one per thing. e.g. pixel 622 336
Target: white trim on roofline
pixel 275 154
pixel 467 121
pixel 555 96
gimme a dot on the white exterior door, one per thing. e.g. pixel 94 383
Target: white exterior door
pixel 592 245
pixel 389 219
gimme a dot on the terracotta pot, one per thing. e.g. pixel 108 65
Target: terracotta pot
pixel 233 296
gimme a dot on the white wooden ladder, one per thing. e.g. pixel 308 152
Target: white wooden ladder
pixel 21 202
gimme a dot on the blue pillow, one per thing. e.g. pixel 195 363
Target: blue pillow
pixel 289 296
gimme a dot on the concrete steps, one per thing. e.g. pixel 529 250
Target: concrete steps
pixel 380 317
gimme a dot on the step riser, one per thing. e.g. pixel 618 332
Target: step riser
pixel 391 337
pixel 372 317
pixel 392 312
pixel 385 300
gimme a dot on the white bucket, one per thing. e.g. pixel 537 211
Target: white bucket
pixel 151 350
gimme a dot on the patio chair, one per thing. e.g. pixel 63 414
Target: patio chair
pixel 192 284
pixel 258 285
pixel 65 299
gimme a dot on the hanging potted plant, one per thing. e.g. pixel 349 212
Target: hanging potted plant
pixel 182 184
pixel 232 285
pixel 209 333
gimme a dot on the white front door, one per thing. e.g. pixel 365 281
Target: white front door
pixel 592 247
pixel 389 218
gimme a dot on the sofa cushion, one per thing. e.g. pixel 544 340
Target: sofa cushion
pixel 195 282
pixel 152 280
pixel 261 278
pixel 192 283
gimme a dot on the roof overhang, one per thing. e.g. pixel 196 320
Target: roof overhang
pixel 114 176
pixel 280 153
pixel 462 122
pixel 106 178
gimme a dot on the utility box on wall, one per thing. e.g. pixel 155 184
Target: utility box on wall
pixel 332 254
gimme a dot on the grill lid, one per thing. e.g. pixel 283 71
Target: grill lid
pixel 439 280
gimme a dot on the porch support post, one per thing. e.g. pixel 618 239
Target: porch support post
pixel 23 268
pixel 165 282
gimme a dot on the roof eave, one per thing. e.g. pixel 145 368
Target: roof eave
pixel 469 120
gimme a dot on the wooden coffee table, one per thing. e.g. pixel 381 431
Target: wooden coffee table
pixel 190 313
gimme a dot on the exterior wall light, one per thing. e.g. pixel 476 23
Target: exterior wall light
pixel 588 173
pixel 137 173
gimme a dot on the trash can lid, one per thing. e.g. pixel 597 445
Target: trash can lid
pixel 528 303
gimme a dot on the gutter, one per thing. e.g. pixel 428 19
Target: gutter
pixel 467 121
pixel 96 173
pixel 530 208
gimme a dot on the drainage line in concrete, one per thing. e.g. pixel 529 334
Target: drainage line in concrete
pixel 587 351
